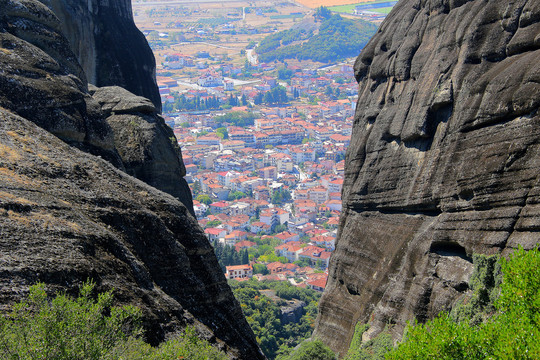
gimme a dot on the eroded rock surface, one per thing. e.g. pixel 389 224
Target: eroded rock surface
pixel 67 215
pixel 443 161
pixel 147 146
pixel 110 48
pixel 41 80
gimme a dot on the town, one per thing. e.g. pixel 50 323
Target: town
pixel 263 143
pixel 267 179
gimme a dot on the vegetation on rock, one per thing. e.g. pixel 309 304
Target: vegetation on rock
pixel 87 328
pixel 499 320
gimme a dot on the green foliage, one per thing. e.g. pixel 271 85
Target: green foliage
pixel 302 262
pixel 279 228
pixel 313 350
pixel 213 223
pixel 284 73
pixel 204 199
pixel 227 255
pixel 322 13
pixel 66 329
pixel 260 269
pixel 511 333
pixel 278 95
pixel 485 284
pixel 281 196
pixel 338 39
pixel 181 102
pixel 87 328
pixel 237 118
pixel 235 195
pixel 374 349
pixel 223 131
pixel 263 314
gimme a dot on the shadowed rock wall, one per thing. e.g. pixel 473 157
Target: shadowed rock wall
pixel 110 48
pixel 67 215
pixel 443 161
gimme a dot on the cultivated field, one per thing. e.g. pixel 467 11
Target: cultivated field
pixel 316 3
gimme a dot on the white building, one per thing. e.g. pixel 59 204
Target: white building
pixel 239 272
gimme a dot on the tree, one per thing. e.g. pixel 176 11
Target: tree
pixel 328 91
pixel 88 327
pixel 258 100
pixel 268 98
pixel 204 199
pixel 244 100
pixel 196 188
pixel 245 256
pixel 260 269
pixel 313 350
pixel 223 132
pixel 235 195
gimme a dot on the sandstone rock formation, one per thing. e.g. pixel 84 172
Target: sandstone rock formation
pixel 110 48
pixel 147 146
pixel 67 215
pixel 443 161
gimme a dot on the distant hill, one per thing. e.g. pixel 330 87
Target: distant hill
pixel 337 39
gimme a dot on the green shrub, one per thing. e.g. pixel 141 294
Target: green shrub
pixel 513 332
pixel 313 350
pixel 374 349
pixel 87 328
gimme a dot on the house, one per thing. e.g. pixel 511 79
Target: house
pixel 275 216
pixel 239 272
pixel 209 140
pixel 290 251
pixel 210 79
pixel 286 237
pixel 200 209
pixel 214 234
pixel 218 207
pixel 318 284
pixel 316 256
pixel 325 241
pixel 275 267
pixel 235 236
pixel 244 244
pixel 259 226
pixel 318 194
pixel 269 172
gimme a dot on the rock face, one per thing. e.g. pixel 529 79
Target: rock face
pixel 443 161
pixel 147 146
pixel 67 215
pixel 110 48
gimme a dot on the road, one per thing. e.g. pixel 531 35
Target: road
pixel 207 43
pixel 251 58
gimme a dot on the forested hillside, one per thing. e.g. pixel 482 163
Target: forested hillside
pixel 337 39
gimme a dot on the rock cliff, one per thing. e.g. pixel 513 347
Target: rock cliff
pixel 443 161
pixel 110 48
pixel 67 214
